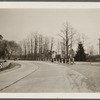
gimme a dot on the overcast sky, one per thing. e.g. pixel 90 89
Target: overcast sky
pixel 16 24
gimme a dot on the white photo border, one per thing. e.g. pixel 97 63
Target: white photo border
pixel 50 5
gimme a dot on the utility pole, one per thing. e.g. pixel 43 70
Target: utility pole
pixel 99 46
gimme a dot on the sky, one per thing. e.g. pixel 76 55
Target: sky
pixel 17 24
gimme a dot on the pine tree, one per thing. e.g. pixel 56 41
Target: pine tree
pixel 80 55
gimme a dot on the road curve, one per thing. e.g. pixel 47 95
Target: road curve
pixel 11 77
pixel 40 77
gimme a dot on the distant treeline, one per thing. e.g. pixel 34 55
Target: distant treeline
pixel 39 47
pixel 95 58
pixel 36 47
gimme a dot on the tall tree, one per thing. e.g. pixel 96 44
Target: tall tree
pixel 24 47
pixel 58 47
pixel 32 45
pixel 67 35
pixel 20 49
pixel 40 46
pixel 3 48
pixel 80 55
pixel 46 47
pixel 91 50
pixel 52 41
pixel 35 45
pixel 12 47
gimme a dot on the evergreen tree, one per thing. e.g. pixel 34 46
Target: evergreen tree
pixel 1 37
pixel 80 55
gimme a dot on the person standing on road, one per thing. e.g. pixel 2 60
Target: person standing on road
pixel 53 56
pixel 71 56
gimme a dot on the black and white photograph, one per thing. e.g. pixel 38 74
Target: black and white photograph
pixel 49 50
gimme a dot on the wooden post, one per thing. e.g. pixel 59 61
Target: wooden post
pixel 62 60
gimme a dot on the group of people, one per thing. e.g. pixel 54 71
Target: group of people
pixel 71 56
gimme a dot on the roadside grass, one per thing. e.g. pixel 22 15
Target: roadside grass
pixel 9 66
pixel 91 71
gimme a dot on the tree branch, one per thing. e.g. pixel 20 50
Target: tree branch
pixel 62 37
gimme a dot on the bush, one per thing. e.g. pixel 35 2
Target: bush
pixel 93 58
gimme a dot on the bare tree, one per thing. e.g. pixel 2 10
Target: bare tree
pixel 58 46
pixel 21 48
pixel 32 45
pixel 67 35
pixel 91 50
pixel 46 47
pixel 52 41
pixel 84 38
pixel 35 45
pixel 40 46
pixel 28 47
pixel 63 48
pixel 25 48
pixel 12 47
